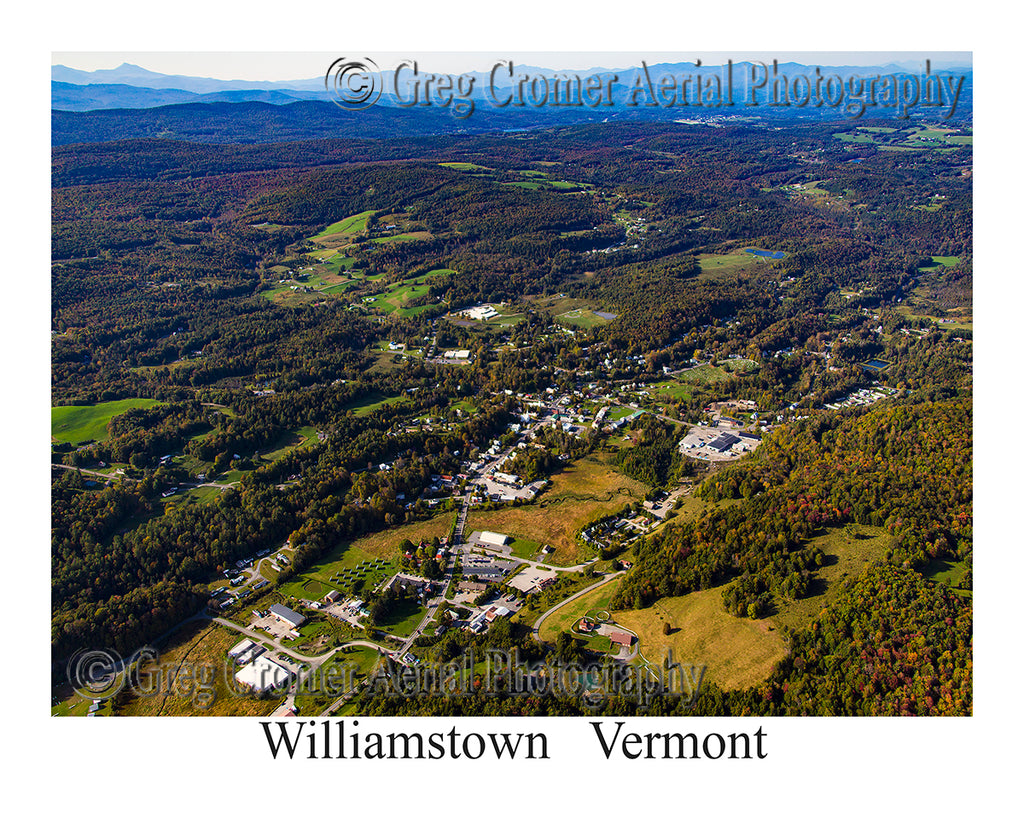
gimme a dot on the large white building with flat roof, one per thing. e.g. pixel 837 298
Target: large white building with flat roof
pixel 262 674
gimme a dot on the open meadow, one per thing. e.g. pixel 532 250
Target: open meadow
pixel 580 494
pixel 77 424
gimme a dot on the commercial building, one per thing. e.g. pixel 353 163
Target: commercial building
pixel 287 616
pixel 494 538
pixel 263 674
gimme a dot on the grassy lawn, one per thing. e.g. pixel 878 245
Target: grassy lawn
pixel 592 602
pixel 583 492
pixel 671 391
pixel 403 620
pixel 401 237
pixel 582 318
pixel 201 494
pixel 737 652
pixel 346 666
pixel 528 549
pixel 704 374
pixel 463 166
pixel 940 262
pixel 739 365
pixel 364 406
pixel 75 424
pixel 947 572
pixel 304 436
pixel 362 558
pixel 724 264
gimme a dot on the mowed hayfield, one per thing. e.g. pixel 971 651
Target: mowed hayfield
pixel 202 648
pixel 580 494
pixel 341 232
pixel 737 652
pixel 75 424
pixel 726 264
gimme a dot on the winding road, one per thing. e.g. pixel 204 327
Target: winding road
pixel 580 593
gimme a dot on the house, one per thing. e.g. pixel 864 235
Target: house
pixel 621 638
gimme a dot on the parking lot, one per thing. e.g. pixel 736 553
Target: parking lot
pixel 272 626
pixel 530 578
pixel 696 444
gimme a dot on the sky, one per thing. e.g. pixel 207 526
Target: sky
pixel 278 66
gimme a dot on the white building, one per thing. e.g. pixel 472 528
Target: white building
pixel 262 674
pixel 481 312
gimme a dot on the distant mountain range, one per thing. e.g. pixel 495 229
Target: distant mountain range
pixel 95 106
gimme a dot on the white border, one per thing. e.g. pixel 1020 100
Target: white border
pixel 834 767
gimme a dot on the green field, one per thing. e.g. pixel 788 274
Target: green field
pixel 703 374
pixel 363 557
pixel 349 226
pixel 593 602
pixel 401 237
pixel 738 365
pixel 848 550
pixel 907 139
pixel 304 436
pixel 364 406
pixel 725 264
pixel 671 390
pixel 939 262
pixel 949 573
pixel 463 166
pixel 581 317
pixel 396 299
pixel 76 424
